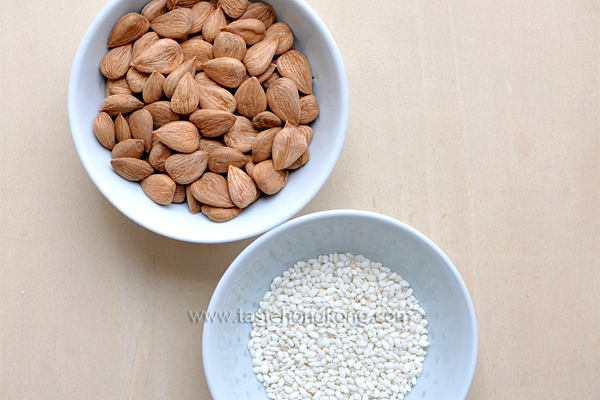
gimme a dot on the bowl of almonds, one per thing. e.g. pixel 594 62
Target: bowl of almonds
pixel 208 121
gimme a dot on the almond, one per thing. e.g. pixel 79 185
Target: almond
pixel 120 104
pixel 249 169
pixel 136 80
pixel 209 146
pixel 284 100
pixel 212 123
pixel 216 98
pixel 159 154
pixel 302 160
pixel 241 135
pixel 227 71
pixel 186 168
pixel 250 98
pixel 193 204
pixel 104 128
pixel 251 30
pixel 180 136
pixel 282 32
pixel 242 189
pixel 174 24
pixel 221 158
pixel 132 169
pixel 202 79
pixel 118 86
pixel 274 76
pixel 154 9
pixel 295 66
pixel 131 148
pixel 186 97
pixel 143 43
pixel 122 131
pixel 153 89
pixel 213 24
pixel 179 196
pixel 266 120
pixel 307 131
pixel 161 113
pixel 229 45
pixel 233 8
pixel 163 56
pixel 218 214
pixel 173 4
pixel 309 109
pixel 263 145
pixel 200 12
pixel 115 63
pixel 140 123
pixel 199 48
pixel 160 188
pixel 260 11
pixel 212 189
pixel 259 57
pixel 288 146
pixel 189 66
pixel 267 74
pixel 127 29
pixel 267 179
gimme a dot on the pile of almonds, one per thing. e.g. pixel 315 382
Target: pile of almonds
pixel 207 101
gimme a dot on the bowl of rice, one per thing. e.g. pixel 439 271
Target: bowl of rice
pixel 341 304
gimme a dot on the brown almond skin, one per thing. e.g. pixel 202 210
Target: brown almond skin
pixel 143 43
pixel 228 44
pixel 163 56
pixel 218 214
pixel 288 145
pixel 120 104
pixel 186 96
pixel 309 109
pixel 260 11
pixel 118 86
pixel 267 74
pixel 221 158
pixel 104 129
pixel 263 145
pixel 161 113
pixel 216 98
pixel 241 135
pixel 122 130
pixel 132 169
pixel 202 79
pixel 127 29
pixel 130 148
pixel 136 80
pixel 193 204
pixel 266 120
pixel 160 188
pixel 174 24
pixel 159 154
pixel 233 8
pixel 226 71
pixel 209 145
pixel 250 98
pixel 274 76
pixel 179 196
pixel 200 13
pixel 189 66
pixel 213 24
pixel 251 30
pixel 292 64
pixel 267 179
pixel 307 131
pixel 199 48
pixel 140 123
pixel 259 57
pixel 301 161
pixel 153 89
pixel 154 9
pixel 115 63
pixel 281 31
pixel 212 189
pixel 212 123
pixel 173 4
pixel 186 168
pixel 284 100
pixel 242 188
pixel 181 136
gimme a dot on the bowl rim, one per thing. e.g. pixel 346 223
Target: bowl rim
pixel 208 334
pixel 327 166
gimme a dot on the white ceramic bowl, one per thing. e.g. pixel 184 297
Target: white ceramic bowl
pixel 449 365
pixel 87 90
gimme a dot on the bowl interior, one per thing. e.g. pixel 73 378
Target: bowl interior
pixel 450 363
pixel 87 90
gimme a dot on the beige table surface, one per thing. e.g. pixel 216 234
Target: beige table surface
pixel 476 122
